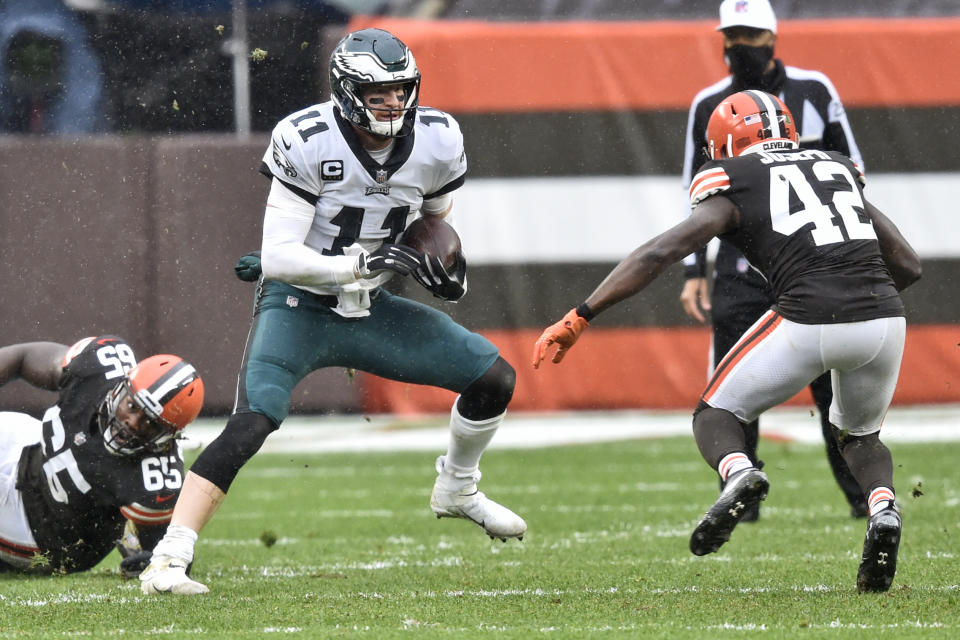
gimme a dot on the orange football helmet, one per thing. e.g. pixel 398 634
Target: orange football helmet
pixel 169 393
pixel 747 118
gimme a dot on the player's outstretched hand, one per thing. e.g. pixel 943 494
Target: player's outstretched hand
pixel 563 333
pixel 446 284
pixel 248 267
pixel 388 257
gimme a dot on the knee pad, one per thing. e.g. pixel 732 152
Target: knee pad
pixel 489 395
pixel 240 440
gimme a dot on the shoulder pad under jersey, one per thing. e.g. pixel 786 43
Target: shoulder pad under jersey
pixel 296 144
pixel 710 180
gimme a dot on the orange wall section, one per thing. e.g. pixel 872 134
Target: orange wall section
pixel 492 67
pixel 655 368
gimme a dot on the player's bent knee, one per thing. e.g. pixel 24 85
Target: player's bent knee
pixel 846 439
pixel 700 407
pixel 489 395
pixel 243 436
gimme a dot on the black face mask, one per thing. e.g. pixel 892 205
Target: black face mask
pixel 747 63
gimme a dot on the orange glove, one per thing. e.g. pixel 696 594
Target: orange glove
pixel 564 333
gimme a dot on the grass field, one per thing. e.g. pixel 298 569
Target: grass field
pixel 359 554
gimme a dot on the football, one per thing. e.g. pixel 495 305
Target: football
pixel 433 236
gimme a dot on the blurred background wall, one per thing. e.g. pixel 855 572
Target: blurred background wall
pixel 132 133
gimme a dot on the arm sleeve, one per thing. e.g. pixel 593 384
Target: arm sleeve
pixel 145 515
pixel 446 145
pixel 438 206
pixel 837 133
pixel 695 264
pixel 285 257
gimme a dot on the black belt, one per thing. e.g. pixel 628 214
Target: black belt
pixel 325 300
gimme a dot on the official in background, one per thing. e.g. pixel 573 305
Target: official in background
pixel 740 293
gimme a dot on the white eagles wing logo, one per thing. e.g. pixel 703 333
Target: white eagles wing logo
pixel 282 161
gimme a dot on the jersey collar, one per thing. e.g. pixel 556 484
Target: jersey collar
pixel 776 144
pixel 402 149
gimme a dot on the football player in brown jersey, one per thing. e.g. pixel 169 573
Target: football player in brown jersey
pixel 835 264
pixel 739 294
pixel 103 456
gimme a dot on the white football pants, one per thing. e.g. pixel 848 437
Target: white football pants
pixel 776 358
pixel 17 545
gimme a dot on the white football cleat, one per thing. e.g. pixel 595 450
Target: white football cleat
pixel 458 497
pixel 169 575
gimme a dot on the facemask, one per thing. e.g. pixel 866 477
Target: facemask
pixel 747 63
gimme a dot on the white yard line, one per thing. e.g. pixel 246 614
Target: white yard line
pixel 307 434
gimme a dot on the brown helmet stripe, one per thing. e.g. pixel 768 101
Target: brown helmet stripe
pixel 768 112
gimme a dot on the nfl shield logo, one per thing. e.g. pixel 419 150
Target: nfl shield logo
pixel 381 176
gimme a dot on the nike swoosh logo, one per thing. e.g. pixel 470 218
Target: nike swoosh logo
pixel 161 499
pixel 285 145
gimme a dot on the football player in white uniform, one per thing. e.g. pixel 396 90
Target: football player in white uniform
pixel 347 177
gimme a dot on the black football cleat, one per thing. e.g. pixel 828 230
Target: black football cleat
pixel 879 562
pixel 743 491
pixel 752 514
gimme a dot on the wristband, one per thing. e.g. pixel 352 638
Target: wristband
pixel 585 312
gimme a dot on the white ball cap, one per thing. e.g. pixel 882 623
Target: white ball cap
pixel 747 13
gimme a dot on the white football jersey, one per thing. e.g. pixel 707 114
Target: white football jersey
pixel 317 155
